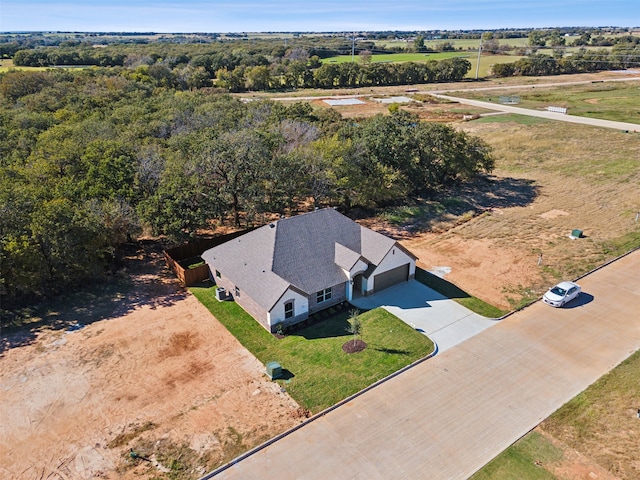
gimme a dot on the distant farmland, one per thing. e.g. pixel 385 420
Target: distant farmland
pixel 398 57
pixel 485 60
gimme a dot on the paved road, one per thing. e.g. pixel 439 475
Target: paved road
pixel 448 416
pixel 596 122
pixel 444 321
pixel 630 127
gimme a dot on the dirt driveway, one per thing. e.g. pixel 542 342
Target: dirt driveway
pixel 164 378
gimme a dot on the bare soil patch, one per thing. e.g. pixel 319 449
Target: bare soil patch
pixel 164 378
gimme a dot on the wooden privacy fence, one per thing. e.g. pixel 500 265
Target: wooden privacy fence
pixel 185 261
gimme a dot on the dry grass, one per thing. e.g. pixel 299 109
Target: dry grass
pixel 586 178
pixel 601 423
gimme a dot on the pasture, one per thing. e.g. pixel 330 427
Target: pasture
pixel 7 64
pixel 486 61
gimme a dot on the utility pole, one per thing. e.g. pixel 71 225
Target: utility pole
pixel 353 47
pixel 479 50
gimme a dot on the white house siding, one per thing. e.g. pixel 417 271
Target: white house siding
pixel 359 267
pixel 396 257
pixel 300 309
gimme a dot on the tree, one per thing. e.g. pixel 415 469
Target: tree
pixel 536 38
pixel 258 78
pixel 14 85
pixel 236 161
pixel 418 44
pixel 365 57
pixel 556 39
pixel 355 325
pixel 110 170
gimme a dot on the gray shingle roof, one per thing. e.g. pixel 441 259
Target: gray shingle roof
pixel 306 251
pixel 246 261
pixel 345 257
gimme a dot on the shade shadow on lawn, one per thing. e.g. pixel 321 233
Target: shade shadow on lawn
pixel 331 327
pixel 440 285
pixel 391 351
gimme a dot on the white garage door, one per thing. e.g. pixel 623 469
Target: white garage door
pixel 391 277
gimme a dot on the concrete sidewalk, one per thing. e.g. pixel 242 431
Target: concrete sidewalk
pixel 443 320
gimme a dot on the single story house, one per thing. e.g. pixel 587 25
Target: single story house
pixel 284 271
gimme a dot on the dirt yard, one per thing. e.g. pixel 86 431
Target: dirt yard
pixel 160 375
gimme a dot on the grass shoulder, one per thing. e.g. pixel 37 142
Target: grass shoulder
pixel 593 419
pixel 317 372
pixel 524 459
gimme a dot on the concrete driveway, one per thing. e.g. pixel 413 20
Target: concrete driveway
pixel 443 320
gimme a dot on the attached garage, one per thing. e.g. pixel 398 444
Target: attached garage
pixel 391 277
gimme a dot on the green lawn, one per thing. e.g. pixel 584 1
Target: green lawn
pixel 321 374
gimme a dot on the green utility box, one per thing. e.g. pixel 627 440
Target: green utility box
pixel 576 233
pixel 274 370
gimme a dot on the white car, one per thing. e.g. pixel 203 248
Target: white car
pixel 561 294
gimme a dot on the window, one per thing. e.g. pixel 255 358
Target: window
pixel 218 274
pixel 237 292
pixel 288 310
pixel 323 295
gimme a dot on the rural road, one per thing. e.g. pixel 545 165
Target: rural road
pixel 596 122
pixel 448 416
pixel 630 127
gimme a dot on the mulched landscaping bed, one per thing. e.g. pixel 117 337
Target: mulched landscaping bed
pixel 354 347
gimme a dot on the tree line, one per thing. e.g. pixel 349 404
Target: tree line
pixel 89 160
pixel 622 56
pixel 243 70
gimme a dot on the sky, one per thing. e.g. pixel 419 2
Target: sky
pixel 221 16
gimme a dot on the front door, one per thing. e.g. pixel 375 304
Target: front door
pixel 357 285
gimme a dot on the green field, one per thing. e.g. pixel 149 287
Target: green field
pixel 466 44
pixel 6 65
pixel 486 61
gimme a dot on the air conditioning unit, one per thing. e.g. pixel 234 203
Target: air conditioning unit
pixel 221 294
